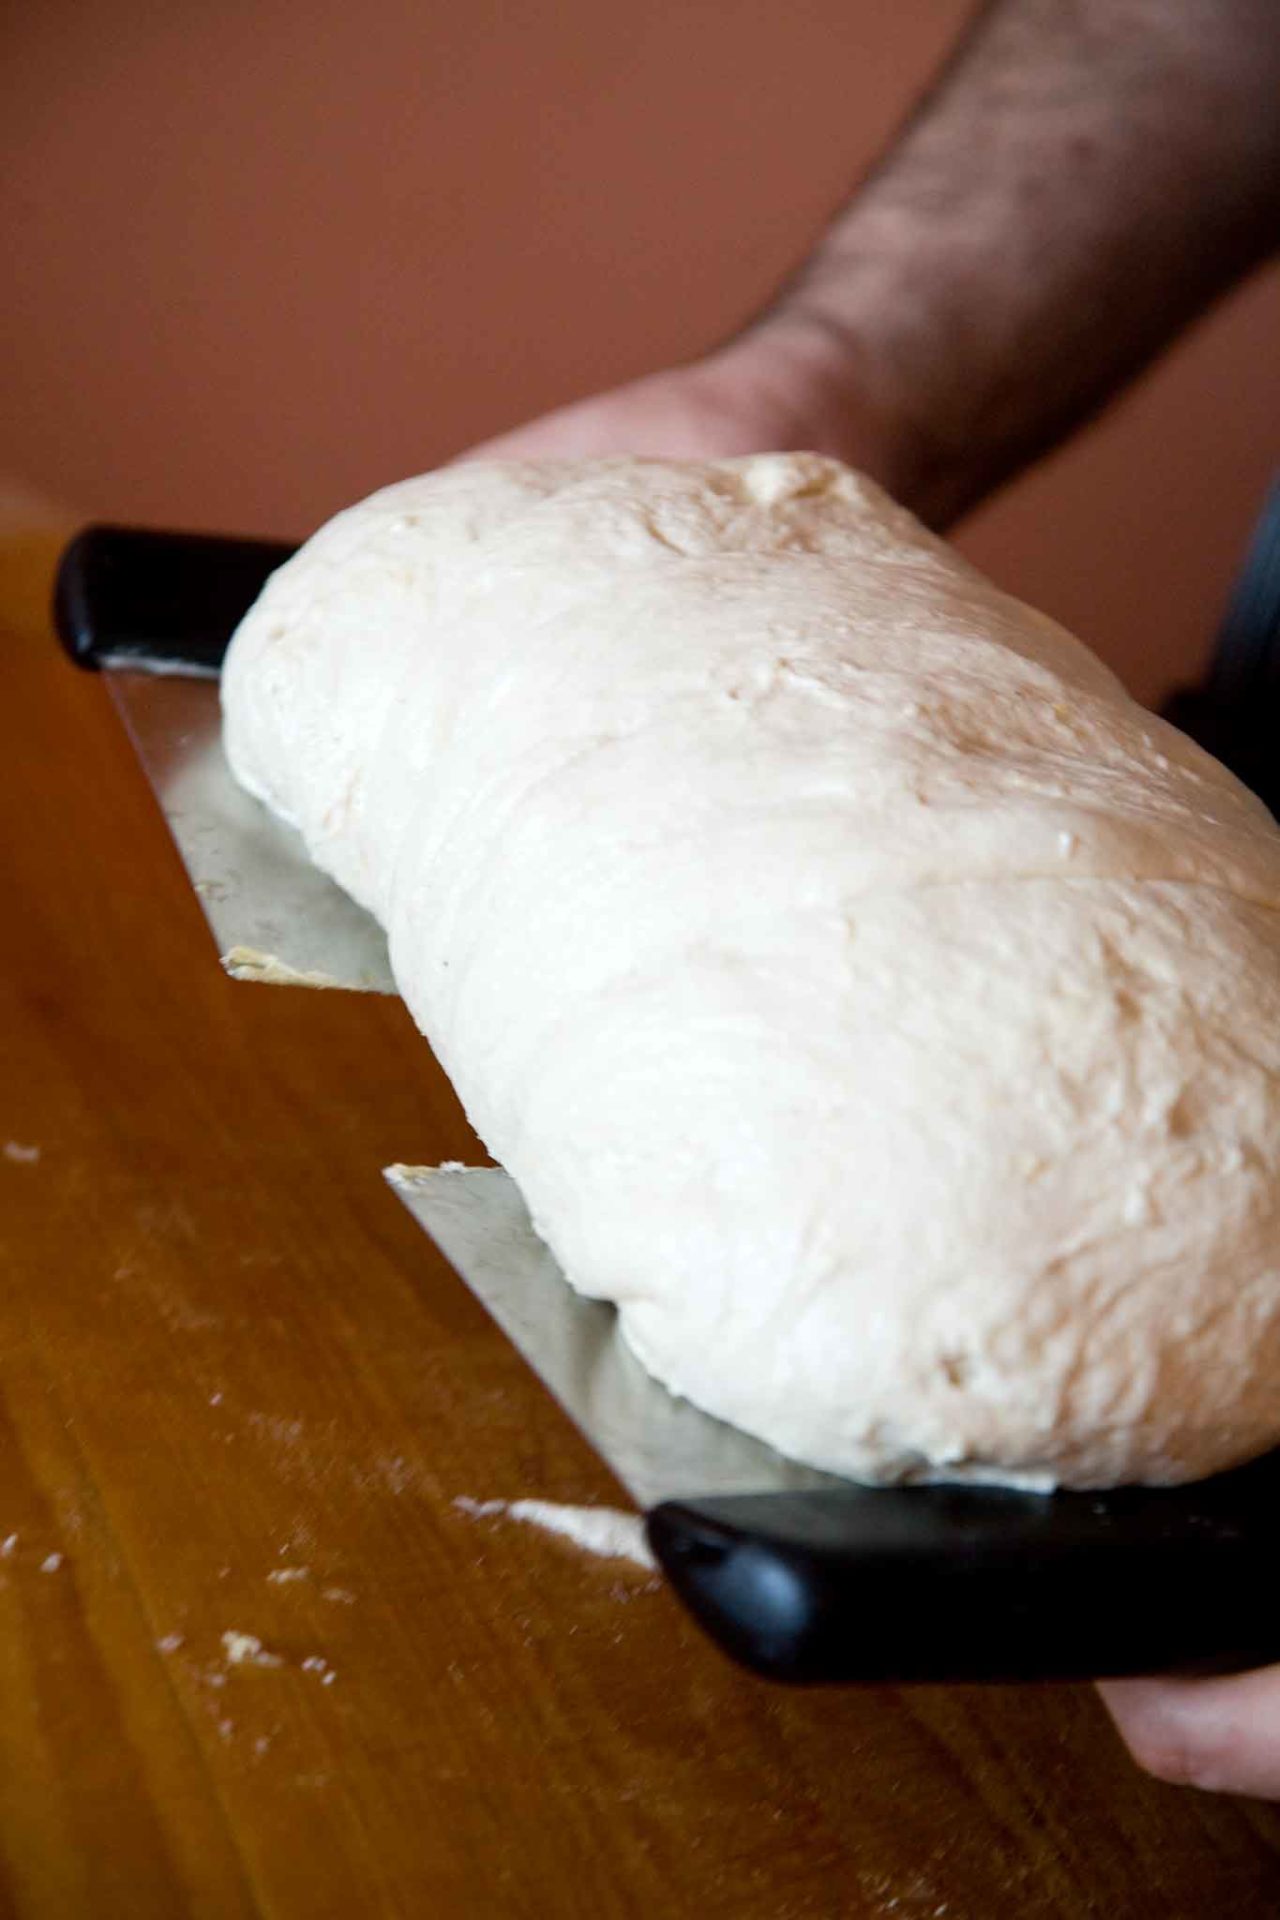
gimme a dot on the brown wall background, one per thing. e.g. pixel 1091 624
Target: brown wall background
pixel 264 257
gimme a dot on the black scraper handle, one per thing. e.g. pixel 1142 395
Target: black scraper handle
pixel 135 597
pixel 954 1584
pixel 1235 712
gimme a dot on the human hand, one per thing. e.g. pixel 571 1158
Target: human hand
pixel 700 411
pixel 778 388
pixel 1222 1734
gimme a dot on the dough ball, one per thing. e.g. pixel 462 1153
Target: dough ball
pixel 863 991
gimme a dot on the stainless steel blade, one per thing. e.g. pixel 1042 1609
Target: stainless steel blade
pixel 274 916
pixel 659 1446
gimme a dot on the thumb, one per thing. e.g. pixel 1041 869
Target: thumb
pixel 1222 1734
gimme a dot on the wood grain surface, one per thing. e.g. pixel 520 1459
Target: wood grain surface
pixel 227 1352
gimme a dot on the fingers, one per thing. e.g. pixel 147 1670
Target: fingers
pixel 737 401
pixel 1220 1734
pixel 604 424
pixel 667 416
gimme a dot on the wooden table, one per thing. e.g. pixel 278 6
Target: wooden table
pixel 227 1354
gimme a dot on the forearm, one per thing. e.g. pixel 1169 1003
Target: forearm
pixel 1084 178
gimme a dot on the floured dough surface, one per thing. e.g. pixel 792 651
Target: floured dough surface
pixel 865 994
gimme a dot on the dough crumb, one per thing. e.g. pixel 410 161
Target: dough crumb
pixel 169 1643
pixel 283 1576
pixel 479 1509
pixel 7 1546
pixel 21 1156
pixel 340 1596
pixel 605 1531
pixel 51 1563
pixel 246 963
pixel 246 1650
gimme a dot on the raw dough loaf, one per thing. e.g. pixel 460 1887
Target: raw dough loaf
pixel 865 994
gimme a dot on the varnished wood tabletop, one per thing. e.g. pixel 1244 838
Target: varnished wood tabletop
pixel 226 1352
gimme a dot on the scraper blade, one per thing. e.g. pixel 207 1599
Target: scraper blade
pixel 157 610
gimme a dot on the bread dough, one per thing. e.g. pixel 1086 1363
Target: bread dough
pixel 864 993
